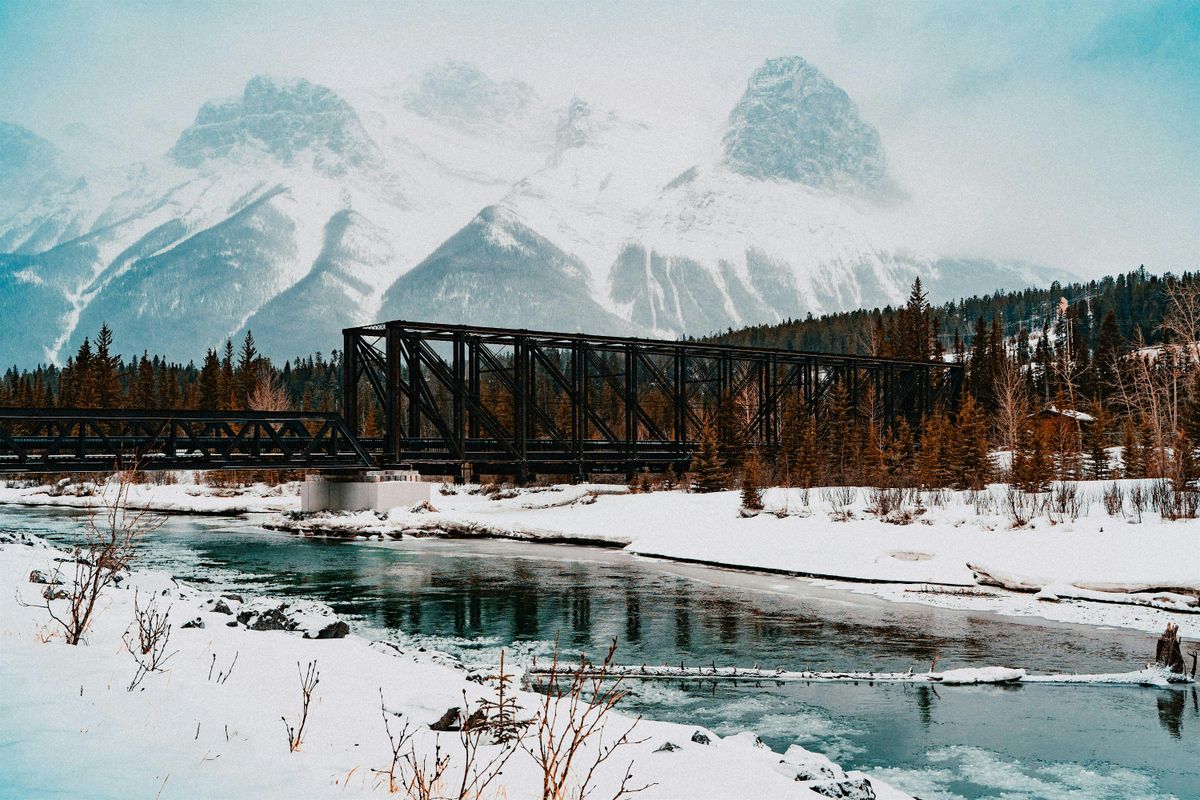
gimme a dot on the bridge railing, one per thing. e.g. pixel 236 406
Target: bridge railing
pixel 73 440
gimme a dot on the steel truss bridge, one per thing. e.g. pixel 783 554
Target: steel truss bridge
pixel 462 400
pixel 97 440
pixel 518 402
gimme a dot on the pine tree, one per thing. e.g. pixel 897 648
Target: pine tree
pixel 709 472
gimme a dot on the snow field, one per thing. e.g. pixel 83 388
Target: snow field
pixel 210 726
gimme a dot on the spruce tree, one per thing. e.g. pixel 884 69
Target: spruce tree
pixel 751 492
pixel 1095 438
pixel 706 464
pixel 810 463
pixel 107 370
pixel 973 459
pixel 209 381
pixel 900 454
pixel 247 370
pixel 1131 452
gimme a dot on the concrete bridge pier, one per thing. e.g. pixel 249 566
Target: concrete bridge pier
pixel 375 490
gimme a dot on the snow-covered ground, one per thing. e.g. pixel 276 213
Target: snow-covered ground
pixel 956 549
pixel 210 724
pixel 185 495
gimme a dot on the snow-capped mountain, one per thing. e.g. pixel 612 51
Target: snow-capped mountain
pixel 283 211
pixel 793 211
pixel 30 166
pixel 294 210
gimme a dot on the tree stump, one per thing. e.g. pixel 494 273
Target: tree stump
pixel 1167 652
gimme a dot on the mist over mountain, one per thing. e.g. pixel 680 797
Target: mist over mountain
pixel 295 209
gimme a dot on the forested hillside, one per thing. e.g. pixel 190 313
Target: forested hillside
pixel 1057 377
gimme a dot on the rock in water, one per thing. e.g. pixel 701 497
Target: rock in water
pixel 334 630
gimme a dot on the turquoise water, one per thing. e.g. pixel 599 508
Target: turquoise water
pixel 475 597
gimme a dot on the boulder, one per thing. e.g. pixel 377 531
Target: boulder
pixel 273 619
pixel 667 747
pixel 699 737
pixel 334 630
pixel 54 593
pixel 447 722
pixel 193 623
pixel 221 607
pixel 39 576
pixel 849 788
pixel 237 598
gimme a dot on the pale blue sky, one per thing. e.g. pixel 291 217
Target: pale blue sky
pixel 1067 133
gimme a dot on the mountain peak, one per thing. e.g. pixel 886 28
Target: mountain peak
pixel 462 95
pixel 793 123
pixel 282 117
pixel 29 165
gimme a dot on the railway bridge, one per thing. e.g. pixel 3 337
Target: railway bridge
pixel 461 400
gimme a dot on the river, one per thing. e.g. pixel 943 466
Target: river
pixel 474 597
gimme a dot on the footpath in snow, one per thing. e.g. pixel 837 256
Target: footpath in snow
pixel 954 549
pixel 214 722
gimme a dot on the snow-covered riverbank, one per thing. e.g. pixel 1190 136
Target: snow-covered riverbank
pixel 210 724
pixel 1076 563
pixel 184 495
pixel 956 550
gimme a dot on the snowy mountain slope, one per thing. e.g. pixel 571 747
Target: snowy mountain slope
pixel 294 210
pixel 284 188
pixel 497 271
pixel 792 212
pixel 29 166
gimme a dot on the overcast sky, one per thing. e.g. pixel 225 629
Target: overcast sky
pixel 1066 133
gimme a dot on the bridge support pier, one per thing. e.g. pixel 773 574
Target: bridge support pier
pixel 379 490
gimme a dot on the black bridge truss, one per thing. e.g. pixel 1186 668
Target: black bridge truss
pixel 458 399
pixel 95 440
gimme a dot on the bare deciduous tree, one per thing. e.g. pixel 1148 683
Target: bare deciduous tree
pixel 569 737
pixel 101 552
pixel 153 637
pixel 308 682
pixel 268 394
